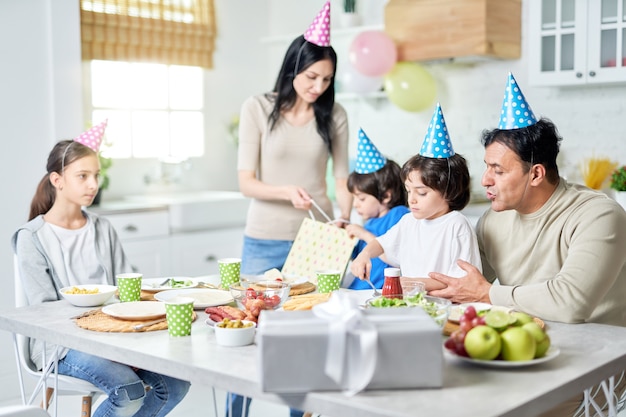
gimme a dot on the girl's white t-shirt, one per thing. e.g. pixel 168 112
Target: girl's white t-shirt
pixel 423 246
pixel 79 254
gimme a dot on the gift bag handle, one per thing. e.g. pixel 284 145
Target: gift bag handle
pixel 328 219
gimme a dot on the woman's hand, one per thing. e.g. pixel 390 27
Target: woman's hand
pixel 299 198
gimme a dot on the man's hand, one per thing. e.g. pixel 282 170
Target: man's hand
pixel 473 287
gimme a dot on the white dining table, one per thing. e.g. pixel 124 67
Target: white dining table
pixel 589 353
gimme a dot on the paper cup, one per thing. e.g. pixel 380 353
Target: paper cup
pixel 230 269
pixel 129 287
pixel 179 315
pixel 328 280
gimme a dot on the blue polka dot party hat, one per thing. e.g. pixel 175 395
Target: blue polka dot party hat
pixel 516 113
pixel 437 141
pixel 368 158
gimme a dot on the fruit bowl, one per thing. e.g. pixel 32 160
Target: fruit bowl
pixel 263 295
pixel 88 295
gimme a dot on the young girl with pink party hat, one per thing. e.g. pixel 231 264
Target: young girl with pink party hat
pixel 63 245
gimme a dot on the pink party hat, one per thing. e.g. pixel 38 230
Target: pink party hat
pixel 516 113
pixel 319 31
pixel 93 137
pixel 437 141
pixel 368 159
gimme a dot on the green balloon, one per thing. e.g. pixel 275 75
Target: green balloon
pixel 410 87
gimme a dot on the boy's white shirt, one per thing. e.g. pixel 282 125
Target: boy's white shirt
pixel 423 246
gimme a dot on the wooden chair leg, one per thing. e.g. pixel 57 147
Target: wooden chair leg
pixel 86 406
pixel 45 403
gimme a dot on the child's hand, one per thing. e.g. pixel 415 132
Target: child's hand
pixel 361 266
pixel 360 233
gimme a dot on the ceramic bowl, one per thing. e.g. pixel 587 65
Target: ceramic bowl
pixel 271 294
pixel 92 295
pixel 227 336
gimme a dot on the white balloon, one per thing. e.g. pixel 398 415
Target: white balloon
pixel 349 80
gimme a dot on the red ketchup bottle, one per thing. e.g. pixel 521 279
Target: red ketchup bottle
pixel 392 287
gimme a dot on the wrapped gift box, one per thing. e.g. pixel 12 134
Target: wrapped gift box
pixel 293 351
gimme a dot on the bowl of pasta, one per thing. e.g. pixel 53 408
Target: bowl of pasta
pixel 88 295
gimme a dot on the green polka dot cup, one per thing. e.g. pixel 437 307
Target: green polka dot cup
pixel 129 287
pixel 328 280
pixel 179 315
pixel 230 269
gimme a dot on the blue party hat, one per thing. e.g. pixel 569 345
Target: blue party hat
pixel 368 159
pixel 437 141
pixel 516 113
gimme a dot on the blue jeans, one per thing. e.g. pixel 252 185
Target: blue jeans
pixel 259 255
pixel 125 387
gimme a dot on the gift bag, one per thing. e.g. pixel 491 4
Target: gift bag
pixel 318 246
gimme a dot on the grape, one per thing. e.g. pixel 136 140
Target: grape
pixel 470 312
pixel 450 344
pixel 466 326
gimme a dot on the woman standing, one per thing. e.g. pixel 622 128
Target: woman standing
pixel 286 139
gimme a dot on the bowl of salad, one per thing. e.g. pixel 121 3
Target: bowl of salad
pixel 167 283
pixel 437 308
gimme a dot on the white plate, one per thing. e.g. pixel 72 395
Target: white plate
pixel 203 297
pixel 550 354
pixel 456 311
pixel 136 310
pixel 154 284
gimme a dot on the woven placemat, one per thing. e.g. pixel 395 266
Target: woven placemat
pixel 304 288
pixel 98 321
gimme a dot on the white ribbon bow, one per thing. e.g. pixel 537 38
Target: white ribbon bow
pixel 352 343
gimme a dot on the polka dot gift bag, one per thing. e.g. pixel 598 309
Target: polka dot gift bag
pixel 318 246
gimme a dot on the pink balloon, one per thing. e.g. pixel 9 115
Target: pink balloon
pixel 373 53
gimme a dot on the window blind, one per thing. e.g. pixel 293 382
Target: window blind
pixel 173 32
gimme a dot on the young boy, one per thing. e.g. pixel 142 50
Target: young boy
pixel 434 235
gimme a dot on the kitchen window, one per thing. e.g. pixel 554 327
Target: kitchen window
pixel 154 110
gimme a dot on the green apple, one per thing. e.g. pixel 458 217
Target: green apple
pixel 482 342
pixel 522 318
pixel 517 344
pixel 541 338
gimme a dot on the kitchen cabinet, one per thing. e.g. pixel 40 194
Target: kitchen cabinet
pixel 145 238
pixel 427 30
pixel 196 253
pixel 577 42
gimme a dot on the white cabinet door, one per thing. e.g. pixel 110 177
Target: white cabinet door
pixel 151 257
pixel 576 42
pixel 195 254
pixel 145 238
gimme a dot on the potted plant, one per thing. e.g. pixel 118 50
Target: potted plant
pixel 618 183
pixel 349 17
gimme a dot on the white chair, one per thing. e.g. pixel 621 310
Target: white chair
pixel 49 380
pixel 23 411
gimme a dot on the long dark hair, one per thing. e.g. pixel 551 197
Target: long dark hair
pixel 64 153
pixel 304 54
pixel 535 144
pixel 378 183
pixel 448 176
